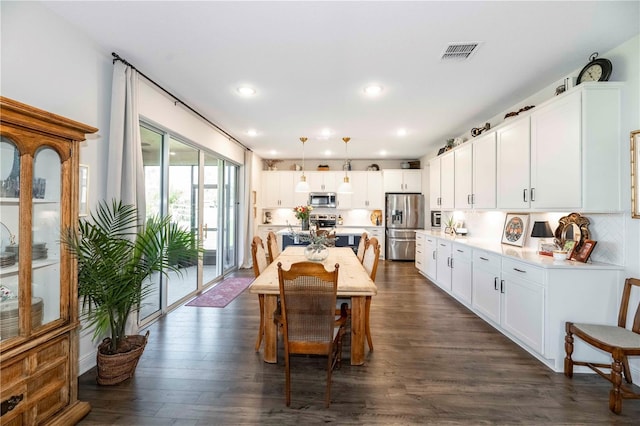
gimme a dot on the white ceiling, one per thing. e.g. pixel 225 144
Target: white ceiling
pixel 310 61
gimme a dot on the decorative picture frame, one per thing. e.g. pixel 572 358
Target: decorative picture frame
pixel 83 188
pixel 516 227
pixel 634 138
pixel 583 253
pixel 569 246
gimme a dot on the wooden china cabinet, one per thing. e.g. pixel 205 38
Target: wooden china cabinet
pixel 38 278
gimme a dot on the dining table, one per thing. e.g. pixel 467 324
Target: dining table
pixel 354 283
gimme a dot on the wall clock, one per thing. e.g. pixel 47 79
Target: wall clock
pixel 598 69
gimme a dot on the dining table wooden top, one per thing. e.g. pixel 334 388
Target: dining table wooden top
pixel 353 279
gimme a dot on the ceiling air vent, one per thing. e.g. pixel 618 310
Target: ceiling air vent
pixel 459 51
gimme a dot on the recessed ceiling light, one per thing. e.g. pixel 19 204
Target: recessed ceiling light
pixel 326 132
pixel 273 152
pixel 373 90
pixel 172 153
pixel 246 91
pixel 327 153
pixel 383 152
pixel 252 132
pixel 402 132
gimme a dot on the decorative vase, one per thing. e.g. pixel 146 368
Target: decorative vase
pixel 316 252
pixel 305 224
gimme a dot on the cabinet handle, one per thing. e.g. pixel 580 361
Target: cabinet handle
pixel 501 286
pixel 11 403
pixel 460 251
pixel 451 263
pixel 443 245
pixel 519 270
pixel 468 198
pixel 434 255
pixel 533 194
pixel 495 283
pixel 484 258
pixel 524 195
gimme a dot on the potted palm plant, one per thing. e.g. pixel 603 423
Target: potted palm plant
pixel 116 260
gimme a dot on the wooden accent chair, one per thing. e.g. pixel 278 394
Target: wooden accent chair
pixel 619 341
pixel 308 299
pixel 370 258
pixel 362 245
pixel 272 246
pixel 259 264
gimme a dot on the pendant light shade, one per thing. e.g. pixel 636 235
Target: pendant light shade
pixel 302 185
pixel 345 186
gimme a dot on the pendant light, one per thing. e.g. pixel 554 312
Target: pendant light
pixel 303 185
pixel 345 186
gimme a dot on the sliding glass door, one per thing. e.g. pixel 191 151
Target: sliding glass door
pixel 200 192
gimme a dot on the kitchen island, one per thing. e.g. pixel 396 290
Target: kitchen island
pixel 345 237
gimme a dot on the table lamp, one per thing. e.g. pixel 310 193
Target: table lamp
pixel 542 230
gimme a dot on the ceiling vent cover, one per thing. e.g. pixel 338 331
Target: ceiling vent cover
pixel 459 51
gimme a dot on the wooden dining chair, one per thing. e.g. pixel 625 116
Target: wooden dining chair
pixel 362 245
pixel 260 263
pixel 308 297
pixel 370 258
pixel 272 246
pixel 617 340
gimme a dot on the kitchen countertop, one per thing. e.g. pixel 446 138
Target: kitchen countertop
pixel 338 231
pixel 524 254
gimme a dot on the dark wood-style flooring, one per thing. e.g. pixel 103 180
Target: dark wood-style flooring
pixel 434 362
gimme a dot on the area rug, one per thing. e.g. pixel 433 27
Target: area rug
pixel 222 294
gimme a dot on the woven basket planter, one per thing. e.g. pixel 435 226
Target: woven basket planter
pixel 114 369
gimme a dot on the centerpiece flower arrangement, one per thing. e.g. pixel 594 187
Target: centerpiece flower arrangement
pixel 318 241
pixel 302 213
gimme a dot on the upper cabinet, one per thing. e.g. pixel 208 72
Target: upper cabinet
pixel 441 182
pixel 278 190
pixel 475 174
pixel 559 157
pixel 39 305
pixel 404 180
pixel 323 181
pixel 367 191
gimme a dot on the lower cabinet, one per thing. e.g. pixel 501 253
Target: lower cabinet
pixel 529 300
pixel 522 291
pixel 420 252
pixel 461 272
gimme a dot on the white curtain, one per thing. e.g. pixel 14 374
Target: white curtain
pixel 247 225
pixel 125 173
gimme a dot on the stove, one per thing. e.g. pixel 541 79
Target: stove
pixel 323 220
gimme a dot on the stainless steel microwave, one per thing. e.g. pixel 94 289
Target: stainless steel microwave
pixel 322 199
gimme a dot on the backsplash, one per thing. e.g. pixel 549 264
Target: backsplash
pixel 606 229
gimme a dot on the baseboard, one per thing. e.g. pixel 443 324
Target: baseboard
pixel 86 362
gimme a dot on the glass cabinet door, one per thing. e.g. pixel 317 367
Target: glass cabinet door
pixel 9 227
pixel 46 231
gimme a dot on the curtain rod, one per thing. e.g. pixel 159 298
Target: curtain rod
pixel 117 57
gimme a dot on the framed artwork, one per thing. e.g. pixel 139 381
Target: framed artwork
pixel 515 229
pixel 635 174
pixel 583 253
pixel 83 188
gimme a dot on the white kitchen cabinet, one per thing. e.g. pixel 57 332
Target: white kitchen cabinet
pixel 367 191
pixel 278 190
pixel 461 276
pixel 475 174
pixel 420 252
pixel 574 140
pixel 513 165
pixel 522 289
pixel 403 180
pixel 557 157
pixel 443 267
pixel 324 181
pixel 430 257
pixel 441 182
pixel 486 296
pixel 463 177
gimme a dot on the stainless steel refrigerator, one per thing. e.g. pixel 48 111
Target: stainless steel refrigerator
pixel 404 213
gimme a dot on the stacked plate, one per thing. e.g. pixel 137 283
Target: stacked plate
pixel 7 259
pixel 38 251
